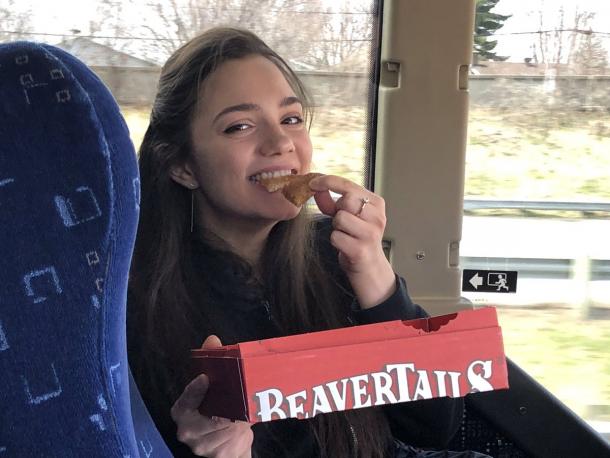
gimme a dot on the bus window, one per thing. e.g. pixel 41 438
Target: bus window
pixel 537 195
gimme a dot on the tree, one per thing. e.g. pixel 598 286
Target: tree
pixel 551 45
pixel 486 24
pixel 344 42
pixel 590 54
pixel 288 26
pixel 306 32
pixel 587 51
pixel 570 42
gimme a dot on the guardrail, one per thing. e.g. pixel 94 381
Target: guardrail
pixel 552 269
pixel 580 269
pixel 485 204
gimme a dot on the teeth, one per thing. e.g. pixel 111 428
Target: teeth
pixel 266 175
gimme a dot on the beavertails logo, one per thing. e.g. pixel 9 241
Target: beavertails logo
pixel 396 383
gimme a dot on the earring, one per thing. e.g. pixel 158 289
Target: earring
pixel 192 210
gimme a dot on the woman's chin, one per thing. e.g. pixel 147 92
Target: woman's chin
pixel 294 214
pixel 290 214
pixel 284 212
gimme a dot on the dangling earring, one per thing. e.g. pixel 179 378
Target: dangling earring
pixel 193 186
pixel 192 210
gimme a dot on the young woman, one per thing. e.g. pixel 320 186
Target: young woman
pixel 219 258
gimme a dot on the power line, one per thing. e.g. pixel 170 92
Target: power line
pixel 118 37
pixel 99 37
pixel 113 37
pixel 268 11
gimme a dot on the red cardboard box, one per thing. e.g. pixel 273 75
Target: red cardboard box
pixel 304 375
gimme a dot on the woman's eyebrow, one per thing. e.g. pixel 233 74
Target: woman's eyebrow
pixel 238 107
pixel 286 101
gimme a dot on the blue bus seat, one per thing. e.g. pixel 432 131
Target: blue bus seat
pixel 69 197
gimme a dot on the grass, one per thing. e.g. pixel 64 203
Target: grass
pixel 537 156
pixel 570 356
pixel 339 140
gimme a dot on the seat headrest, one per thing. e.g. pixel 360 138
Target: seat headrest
pixel 69 201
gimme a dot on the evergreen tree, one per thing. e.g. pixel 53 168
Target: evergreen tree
pixel 485 24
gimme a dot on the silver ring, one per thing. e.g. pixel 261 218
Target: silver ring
pixel 364 201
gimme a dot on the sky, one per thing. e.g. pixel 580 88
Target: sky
pixel 526 18
pixel 61 16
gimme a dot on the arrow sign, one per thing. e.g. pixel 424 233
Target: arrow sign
pixel 476 281
pixel 489 281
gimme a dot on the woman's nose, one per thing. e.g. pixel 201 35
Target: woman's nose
pixel 276 141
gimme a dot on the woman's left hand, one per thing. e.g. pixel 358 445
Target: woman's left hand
pixel 359 222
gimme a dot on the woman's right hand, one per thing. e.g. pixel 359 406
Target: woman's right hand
pixel 212 437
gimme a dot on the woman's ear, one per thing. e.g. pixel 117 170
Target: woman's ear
pixel 183 175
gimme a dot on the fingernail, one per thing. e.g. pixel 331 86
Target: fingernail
pixel 313 183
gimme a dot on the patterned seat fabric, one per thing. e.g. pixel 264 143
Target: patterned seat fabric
pixel 478 434
pixel 69 196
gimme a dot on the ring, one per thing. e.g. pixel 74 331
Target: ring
pixel 364 201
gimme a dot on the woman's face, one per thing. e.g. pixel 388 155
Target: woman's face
pixel 249 122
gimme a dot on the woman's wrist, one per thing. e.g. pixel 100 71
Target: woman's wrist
pixel 374 286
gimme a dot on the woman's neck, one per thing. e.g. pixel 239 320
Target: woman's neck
pixel 246 238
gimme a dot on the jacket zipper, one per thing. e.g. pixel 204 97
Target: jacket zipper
pixel 268 309
pixel 355 440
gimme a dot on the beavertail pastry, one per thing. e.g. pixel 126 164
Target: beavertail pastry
pixel 294 187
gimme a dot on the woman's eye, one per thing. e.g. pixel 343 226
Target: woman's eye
pixel 236 128
pixel 292 120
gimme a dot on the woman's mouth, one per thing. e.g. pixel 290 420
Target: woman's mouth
pixel 277 173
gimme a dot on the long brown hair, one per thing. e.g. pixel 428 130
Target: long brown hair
pixel 164 321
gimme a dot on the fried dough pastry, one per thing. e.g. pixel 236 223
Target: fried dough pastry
pixel 295 188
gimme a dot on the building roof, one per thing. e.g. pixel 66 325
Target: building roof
pixel 97 55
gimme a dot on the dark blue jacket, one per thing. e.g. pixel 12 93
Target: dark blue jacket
pixel 243 313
